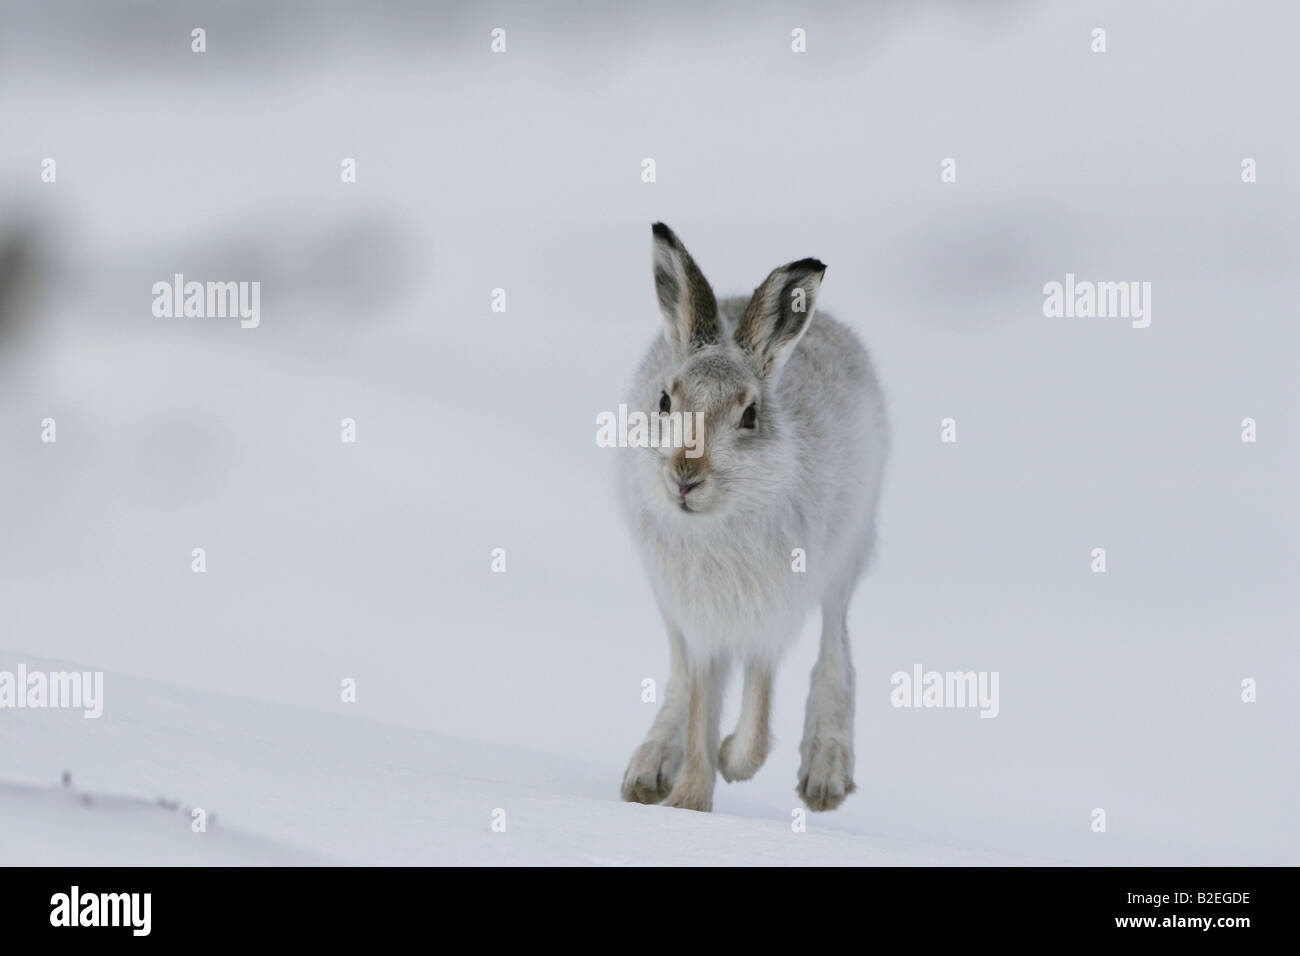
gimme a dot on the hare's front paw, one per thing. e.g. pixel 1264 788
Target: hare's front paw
pixel 826 776
pixel 651 772
pixel 691 795
pixel 740 758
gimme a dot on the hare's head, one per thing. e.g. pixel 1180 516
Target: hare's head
pixel 738 445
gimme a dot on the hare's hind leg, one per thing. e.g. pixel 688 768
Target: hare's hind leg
pixel 694 788
pixel 745 750
pixel 826 768
pixel 655 764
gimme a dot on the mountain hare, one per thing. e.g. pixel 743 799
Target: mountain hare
pixel 772 513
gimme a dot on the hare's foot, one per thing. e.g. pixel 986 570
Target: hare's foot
pixel 652 771
pixel 745 750
pixel 826 772
pixel 692 793
pixel 741 756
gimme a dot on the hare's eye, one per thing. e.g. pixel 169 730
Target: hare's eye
pixel 665 403
pixel 750 418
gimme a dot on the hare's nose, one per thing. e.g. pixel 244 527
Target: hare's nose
pixel 684 488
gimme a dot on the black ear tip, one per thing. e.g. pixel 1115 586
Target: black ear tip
pixel 808 265
pixel 662 232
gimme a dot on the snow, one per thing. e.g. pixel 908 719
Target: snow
pixel 284 787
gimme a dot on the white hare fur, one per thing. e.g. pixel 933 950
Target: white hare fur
pixel 718 533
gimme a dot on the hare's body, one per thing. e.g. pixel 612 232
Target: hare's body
pixel 774 518
pixel 728 581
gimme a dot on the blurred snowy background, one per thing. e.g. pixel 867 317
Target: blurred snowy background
pixel 476 429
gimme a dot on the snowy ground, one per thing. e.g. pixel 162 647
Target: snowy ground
pixel 288 787
pixel 476 429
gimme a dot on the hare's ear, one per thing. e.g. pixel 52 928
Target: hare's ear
pixel 689 308
pixel 778 314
